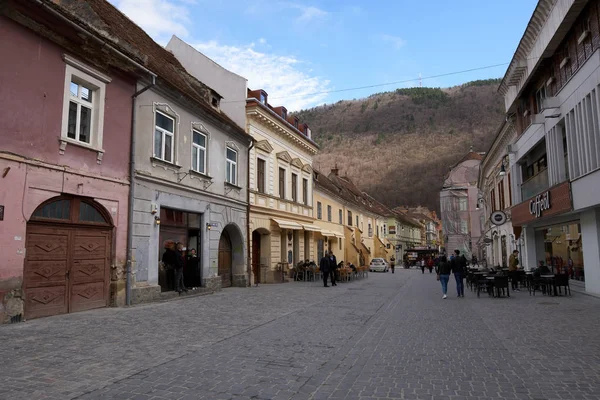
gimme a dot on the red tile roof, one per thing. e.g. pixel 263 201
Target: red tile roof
pixel 107 22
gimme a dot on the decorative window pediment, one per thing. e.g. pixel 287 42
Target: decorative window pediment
pixel 307 168
pixel 264 145
pixel 200 127
pixel 296 162
pixel 232 145
pixel 284 156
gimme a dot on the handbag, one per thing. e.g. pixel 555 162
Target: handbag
pixel 437 277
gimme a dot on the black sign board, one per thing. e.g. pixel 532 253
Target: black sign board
pixel 1 213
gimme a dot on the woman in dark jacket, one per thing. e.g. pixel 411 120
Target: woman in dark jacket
pixel 444 274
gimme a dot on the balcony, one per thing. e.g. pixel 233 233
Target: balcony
pixel 535 185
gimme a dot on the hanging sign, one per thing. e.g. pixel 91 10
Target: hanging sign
pixel 498 217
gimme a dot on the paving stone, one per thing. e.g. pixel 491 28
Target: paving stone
pixel 395 338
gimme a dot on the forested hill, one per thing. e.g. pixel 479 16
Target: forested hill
pixel 399 145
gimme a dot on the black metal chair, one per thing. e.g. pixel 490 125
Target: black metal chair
pixel 500 285
pixel 482 285
pixel 560 281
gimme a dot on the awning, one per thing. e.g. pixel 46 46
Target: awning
pixel 327 233
pixel 311 227
pixel 285 224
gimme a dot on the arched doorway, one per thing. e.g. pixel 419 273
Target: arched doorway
pixel 256 256
pixel 225 257
pixel 67 263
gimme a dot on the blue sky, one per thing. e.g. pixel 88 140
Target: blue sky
pixel 293 49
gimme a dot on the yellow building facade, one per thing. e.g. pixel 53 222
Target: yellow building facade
pixel 281 219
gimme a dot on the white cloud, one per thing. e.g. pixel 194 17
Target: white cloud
pixel 309 13
pixel 262 40
pixel 159 18
pixel 396 41
pixel 281 77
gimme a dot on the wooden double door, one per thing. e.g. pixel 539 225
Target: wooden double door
pixel 225 260
pixel 67 269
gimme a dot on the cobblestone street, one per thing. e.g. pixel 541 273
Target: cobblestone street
pixel 388 336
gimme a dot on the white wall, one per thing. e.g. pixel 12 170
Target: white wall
pixel 229 85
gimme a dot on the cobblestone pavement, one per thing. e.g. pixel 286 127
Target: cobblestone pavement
pixel 385 337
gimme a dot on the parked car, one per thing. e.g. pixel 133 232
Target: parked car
pixel 379 265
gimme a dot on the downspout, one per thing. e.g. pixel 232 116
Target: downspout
pixel 248 237
pixel 132 191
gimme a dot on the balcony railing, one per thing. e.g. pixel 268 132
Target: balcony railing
pixel 535 185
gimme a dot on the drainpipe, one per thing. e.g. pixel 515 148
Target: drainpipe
pixel 132 191
pixel 249 237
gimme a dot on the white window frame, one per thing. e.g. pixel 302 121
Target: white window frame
pixel 283 196
pixel 199 148
pixel 164 132
pixel 95 80
pixel 298 177
pixel 232 178
pixel 266 177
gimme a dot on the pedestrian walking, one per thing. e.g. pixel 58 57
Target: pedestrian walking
pixel 325 266
pixel 443 275
pixel 430 264
pixel 459 267
pixel 333 265
pixel 513 266
pixel 422 265
pixel 392 263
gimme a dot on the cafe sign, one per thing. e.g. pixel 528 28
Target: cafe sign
pixel 554 201
pixel 539 204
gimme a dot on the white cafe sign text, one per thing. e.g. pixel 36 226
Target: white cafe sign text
pixel 540 203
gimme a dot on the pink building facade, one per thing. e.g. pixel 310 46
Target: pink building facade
pixel 65 126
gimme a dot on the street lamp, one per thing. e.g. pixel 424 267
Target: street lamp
pixel 502 166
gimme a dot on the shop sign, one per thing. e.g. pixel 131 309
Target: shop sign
pixel 392 230
pixel 539 204
pixel 1 213
pixel 555 201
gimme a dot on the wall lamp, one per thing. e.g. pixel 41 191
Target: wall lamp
pixel 503 166
pixel 157 220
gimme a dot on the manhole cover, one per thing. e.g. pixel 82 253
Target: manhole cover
pixel 547 303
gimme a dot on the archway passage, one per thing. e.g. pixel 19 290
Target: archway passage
pixel 67 263
pixel 225 257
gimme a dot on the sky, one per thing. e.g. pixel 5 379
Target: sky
pixel 308 52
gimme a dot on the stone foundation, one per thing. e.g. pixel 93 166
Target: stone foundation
pixel 11 306
pixel 145 294
pixel 240 280
pixel 212 284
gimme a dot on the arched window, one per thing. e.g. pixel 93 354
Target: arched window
pixel 70 210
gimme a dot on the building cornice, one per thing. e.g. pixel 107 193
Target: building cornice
pixel 140 175
pixel 255 110
pixel 518 65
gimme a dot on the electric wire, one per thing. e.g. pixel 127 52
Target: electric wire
pixel 379 84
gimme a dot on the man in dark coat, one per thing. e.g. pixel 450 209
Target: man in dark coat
pixel 459 268
pixel 333 266
pixel 325 266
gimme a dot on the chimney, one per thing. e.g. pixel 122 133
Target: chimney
pixel 335 170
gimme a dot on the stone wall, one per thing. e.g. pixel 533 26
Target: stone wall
pixel 213 283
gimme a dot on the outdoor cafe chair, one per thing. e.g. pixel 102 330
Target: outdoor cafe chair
pixel 482 284
pixel 560 281
pixel 500 285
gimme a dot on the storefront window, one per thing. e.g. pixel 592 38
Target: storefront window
pixel 563 250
